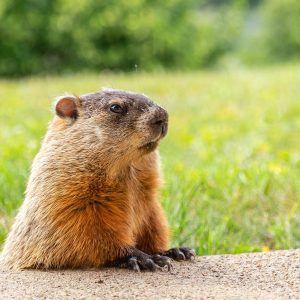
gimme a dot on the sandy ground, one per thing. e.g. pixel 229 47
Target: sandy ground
pixel 273 275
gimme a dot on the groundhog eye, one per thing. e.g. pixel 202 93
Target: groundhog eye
pixel 116 109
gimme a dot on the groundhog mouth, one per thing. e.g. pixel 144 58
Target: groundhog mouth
pixel 149 146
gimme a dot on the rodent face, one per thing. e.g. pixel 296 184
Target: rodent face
pixel 125 122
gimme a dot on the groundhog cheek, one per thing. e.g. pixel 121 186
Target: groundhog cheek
pixel 98 133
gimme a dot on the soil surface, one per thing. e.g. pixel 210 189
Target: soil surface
pixel 271 275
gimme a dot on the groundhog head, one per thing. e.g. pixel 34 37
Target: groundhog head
pixel 124 123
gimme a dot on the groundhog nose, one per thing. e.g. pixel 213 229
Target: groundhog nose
pixel 160 120
pixel 161 117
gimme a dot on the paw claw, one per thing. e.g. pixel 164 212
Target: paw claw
pixel 133 264
pixel 193 254
pixel 189 253
pixel 181 253
pixel 170 267
pixel 151 265
pixel 163 261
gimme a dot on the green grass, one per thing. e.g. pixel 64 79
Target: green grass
pixel 231 159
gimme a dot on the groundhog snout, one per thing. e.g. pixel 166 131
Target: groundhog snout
pixel 160 121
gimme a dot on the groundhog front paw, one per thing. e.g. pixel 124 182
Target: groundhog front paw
pixel 138 260
pixel 149 262
pixel 182 253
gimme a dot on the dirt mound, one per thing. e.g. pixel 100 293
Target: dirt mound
pixel 272 275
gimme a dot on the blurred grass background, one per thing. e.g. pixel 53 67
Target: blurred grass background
pixel 231 159
pixel 67 36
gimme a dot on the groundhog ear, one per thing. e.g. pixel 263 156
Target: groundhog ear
pixel 66 107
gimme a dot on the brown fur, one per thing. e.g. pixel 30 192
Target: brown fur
pixel 92 193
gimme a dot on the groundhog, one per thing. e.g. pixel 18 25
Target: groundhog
pixel 91 199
